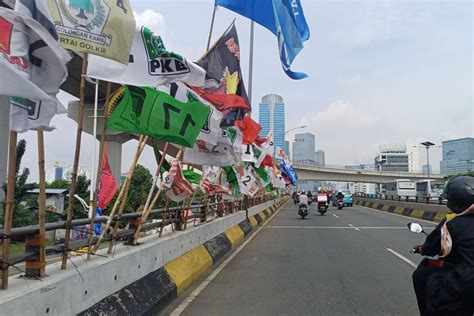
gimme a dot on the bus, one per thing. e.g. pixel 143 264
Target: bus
pixel 429 189
pixel 402 188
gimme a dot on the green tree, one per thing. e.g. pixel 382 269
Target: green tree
pixel 449 177
pixel 22 212
pixel 140 185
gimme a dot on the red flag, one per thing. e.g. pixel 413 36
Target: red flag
pixel 107 184
pixel 267 161
pixel 250 129
pixel 223 102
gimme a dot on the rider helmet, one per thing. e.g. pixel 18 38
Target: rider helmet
pixel 459 191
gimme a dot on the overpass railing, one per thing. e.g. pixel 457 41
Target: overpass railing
pixel 177 218
pixel 425 200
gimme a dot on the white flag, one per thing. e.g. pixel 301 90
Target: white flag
pixel 247 182
pixel 204 153
pixel 26 114
pixel 32 63
pixel 211 131
pixel 149 64
pixel 248 154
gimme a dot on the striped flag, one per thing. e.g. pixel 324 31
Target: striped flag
pixel 208 186
pixel 178 188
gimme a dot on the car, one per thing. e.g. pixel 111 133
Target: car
pixel 347 200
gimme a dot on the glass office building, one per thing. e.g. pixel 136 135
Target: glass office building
pixel 458 156
pixel 303 149
pixel 272 118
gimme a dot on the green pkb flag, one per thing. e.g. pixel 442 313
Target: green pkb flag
pixel 262 173
pixel 231 177
pixel 192 176
pixel 156 114
pixel 165 166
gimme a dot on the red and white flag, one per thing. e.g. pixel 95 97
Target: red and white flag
pixel 178 188
pixel 107 185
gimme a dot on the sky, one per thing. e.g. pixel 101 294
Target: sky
pixel 379 72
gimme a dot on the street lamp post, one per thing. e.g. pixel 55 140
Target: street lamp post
pixel 292 129
pixel 427 145
pixel 381 162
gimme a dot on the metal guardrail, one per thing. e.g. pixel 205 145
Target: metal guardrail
pixel 427 200
pixel 171 215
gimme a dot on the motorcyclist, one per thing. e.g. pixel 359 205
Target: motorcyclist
pixel 448 290
pixel 340 196
pixel 310 196
pixel 303 199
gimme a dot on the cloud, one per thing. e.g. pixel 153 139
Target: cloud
pixel 345 131
pixel 351 81
pixel 155 21
pixel 344 115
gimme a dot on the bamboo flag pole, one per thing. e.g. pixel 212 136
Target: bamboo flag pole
pixel 8 215
pixel 214 10
pixel 41 203
pixel 141 146
pixel 72 190
pixel 149 203
pixel 123 188
pixel 94 151
pixel 99 169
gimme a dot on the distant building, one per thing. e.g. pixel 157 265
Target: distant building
pixel 303 149
pixel 413 158
pixel 58 173
pixel 427 169
pixel 287 147
pixel 361 166
pixel 319 158
pixel 272 118
pixel 394 158
pixel 458 156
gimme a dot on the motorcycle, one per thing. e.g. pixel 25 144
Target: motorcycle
pixel 322 207
pixel 303 211
pixel 427 261
pixel 340 204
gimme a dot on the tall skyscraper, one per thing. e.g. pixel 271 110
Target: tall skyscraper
pixel 272 118
pixel 319 158
pixel 458 156
pixel 303 149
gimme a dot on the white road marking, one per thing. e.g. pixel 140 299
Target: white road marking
pixel 185 303
pixel 308 227
pixel 394 214
pixel 402 257
pixel 338 227
pixel 335 215
pixel 354 227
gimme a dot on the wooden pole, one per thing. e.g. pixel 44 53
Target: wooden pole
pixel 148 205
pixel 72 189
pixel 123 188
pixel 140 147
pixel 214 10
pixel 99 169
pixel 8 215
pixel 41 203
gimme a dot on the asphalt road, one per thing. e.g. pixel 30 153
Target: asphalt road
pixel 337 264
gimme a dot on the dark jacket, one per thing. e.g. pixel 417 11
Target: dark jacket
pixel 451 290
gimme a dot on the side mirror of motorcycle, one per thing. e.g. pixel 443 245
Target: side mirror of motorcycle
pixel 416 228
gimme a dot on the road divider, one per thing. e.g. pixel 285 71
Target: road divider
pixel 178 274
pixel 408 209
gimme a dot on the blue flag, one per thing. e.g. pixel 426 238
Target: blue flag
pixel 284 18
pixel 289 172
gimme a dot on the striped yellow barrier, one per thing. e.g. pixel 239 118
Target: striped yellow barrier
pixel 187 268
pixel 235 235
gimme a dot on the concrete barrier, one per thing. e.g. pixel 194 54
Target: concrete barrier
pixel 136 280
pixel 434 213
